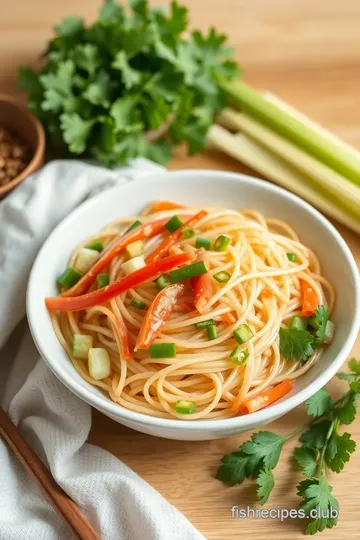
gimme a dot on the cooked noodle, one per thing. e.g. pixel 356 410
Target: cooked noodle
pixel 264 291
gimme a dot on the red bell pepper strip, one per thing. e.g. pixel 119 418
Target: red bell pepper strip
pixel 163 249
pixel 263 399
pixel 100 296
pixel 201 287
pixel 310 299
pixel 143 231
pixel 158 313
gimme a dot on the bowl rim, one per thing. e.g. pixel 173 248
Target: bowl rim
pixel 38 155
pixel 263 416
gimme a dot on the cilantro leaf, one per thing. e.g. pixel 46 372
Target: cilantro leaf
pixel 98 92
pixel 111 11
pixel 234 468
pixel 159 151
pixel 346 413
pixel 322 315
pixel 306 458
pixel 70 27
pixel 126 115
pixel 355 386
pixel 316 494
pixel 53 100
pixel 295 344
pixel 338 451
pixel 130 76
pixel 265 481
pixel 320 403
pixel 87 57
pixel 354 365
pixel 261 453
pixel 315 436
pixel 264 449
pixel 75 131
pixel 350 377
pixel 61 80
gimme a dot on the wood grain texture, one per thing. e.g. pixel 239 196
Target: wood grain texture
pixel 307 52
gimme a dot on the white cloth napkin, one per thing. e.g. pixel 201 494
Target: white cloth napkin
pixel 54 421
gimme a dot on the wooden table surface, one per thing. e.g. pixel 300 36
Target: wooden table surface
pixel 308 52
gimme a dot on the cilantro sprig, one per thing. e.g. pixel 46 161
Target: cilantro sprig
pixel 300 344
pixel 104 87
pixel 323 448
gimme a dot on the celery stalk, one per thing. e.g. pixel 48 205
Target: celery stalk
pixel 257 157
pixel 325 150
pixel 272 98
pixel 341 189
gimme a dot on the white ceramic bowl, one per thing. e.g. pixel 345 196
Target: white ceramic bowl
pixel 197 188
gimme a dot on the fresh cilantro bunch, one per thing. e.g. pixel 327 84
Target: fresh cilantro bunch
pixel 104 87
pixel 323 449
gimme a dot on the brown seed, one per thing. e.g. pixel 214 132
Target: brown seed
pixel 12 172
pixel 5 150
pixel 19 152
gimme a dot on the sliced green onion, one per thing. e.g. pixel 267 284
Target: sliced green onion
pixel 300 323
pixel 189 232
pixel 221 243
pixel 239 355
pixel 211 332
pixel 205 324
pixel 137 303
pixel 203 243
pixel 291 257
pixel 185 407
pixel 222 277
pixel 97 245
pixel 162 282
pixel 136 223
pixel 188 272
pixel 162 350
pixel 174 224
pixel 68 278
pixel 243 333
pixel 102 280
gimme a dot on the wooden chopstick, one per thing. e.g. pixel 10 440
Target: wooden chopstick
pixel 62 503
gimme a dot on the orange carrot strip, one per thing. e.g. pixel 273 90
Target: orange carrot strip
pixel 144 231
pixel 158 206
pixel 228 318
pixel 263 399
pixel 163 249
pixel 310 299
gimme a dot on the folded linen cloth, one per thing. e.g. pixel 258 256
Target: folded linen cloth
pixel 55 422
